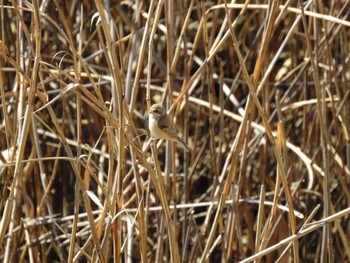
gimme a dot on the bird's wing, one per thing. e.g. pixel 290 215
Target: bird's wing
pixel 166 124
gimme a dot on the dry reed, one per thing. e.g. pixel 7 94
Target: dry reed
pixel 258 89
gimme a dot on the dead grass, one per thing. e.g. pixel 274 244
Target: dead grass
pixel 258 90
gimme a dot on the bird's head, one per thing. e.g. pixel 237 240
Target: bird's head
pixel 157 110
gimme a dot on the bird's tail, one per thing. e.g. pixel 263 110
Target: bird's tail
pixel 183 144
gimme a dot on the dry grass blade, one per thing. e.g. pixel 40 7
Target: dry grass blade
pixel 258 91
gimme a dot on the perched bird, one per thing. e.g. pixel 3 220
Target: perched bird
pixel 161 126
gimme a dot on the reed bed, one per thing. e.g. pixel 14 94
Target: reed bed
pixel 259 90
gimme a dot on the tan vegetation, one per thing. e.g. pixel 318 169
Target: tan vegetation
pixel 259 90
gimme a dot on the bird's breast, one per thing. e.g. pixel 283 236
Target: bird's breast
pixel 156 132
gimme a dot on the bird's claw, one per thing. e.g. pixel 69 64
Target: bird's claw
pixel 152 139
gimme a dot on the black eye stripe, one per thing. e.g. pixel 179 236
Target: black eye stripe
pixel 157 110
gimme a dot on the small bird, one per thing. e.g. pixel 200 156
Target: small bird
pixel 161 126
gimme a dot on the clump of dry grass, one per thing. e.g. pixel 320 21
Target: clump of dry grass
pixel 259 92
